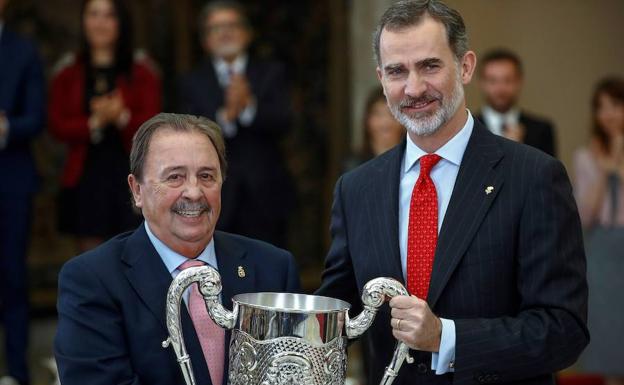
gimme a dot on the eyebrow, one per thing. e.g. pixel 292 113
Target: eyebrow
pixel 420 64
pixel 183 168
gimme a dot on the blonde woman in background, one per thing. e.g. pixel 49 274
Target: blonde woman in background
pixel 599 191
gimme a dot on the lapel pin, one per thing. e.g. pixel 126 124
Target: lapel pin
pixel 241 272
pixel 489 189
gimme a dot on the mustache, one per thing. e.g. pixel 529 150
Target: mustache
pixel 184 205
pixel 427 97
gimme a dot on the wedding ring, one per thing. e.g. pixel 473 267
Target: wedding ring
pixel 399 324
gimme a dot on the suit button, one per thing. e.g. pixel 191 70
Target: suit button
pixel 422 368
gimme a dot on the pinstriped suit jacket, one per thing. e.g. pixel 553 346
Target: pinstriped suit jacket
pixel 509 266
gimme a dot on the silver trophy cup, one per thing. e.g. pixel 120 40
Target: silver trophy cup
pixel 282 338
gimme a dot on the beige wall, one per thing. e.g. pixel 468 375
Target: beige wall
pixel 566 45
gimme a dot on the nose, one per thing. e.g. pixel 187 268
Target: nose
pixel 415 85
pixel 192 189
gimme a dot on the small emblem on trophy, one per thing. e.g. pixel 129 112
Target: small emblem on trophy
pixel 241 272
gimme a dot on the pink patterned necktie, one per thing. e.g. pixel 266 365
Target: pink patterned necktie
pixel 211 336
pixel 422 231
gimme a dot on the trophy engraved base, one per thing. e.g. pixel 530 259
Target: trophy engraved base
pixel 285 361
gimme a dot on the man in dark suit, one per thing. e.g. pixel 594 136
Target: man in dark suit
pixel 484 231
pixel 501 77
pixel 22 104
pixel 112 299
pixel 249 99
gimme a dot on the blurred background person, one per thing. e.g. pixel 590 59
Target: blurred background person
pixel 381 130
pixel 22 108
pixel 501 78
pixel 248 97
pixel 599 191
pixel 98 99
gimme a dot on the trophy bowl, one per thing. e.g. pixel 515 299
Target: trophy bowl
pixel 282 338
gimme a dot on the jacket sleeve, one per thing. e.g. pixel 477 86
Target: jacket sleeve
pixel 29 122
pixel 66 120
pixel 146 100
pixel 273 113
pixel 338 280
pixel 549 331
pixel 90 347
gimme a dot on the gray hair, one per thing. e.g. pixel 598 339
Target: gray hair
pixel 219 5
pixel 408 13
pixel 176 122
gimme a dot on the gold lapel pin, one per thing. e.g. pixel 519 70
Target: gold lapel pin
pixel 489 189
pixel 241 272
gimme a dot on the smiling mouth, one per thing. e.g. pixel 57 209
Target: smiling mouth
pixel 190 213
pixel 419 105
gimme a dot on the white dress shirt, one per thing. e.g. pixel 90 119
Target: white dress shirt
pixel 173 260
pixel 443 174
pixel 496 121
pixel 224 71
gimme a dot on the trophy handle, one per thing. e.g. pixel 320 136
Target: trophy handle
pixel 375 293
pixel 209 282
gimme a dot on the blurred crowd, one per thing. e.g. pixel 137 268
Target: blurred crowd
pixel 98 96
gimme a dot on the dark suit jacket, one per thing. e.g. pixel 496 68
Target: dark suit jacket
pixel 509 266
pixel 112 308
pixel 22 98
pixel 258 185
pixel 539 133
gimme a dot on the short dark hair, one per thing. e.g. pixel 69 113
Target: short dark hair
pixel 176 122
pixel 408 13
pixel 219 5
pixel 501 54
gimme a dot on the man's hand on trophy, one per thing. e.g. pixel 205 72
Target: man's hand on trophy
pixel 414 323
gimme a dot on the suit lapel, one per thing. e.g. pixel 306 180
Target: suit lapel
pixel 384 204
pixel 150 279
pixel 468 205
pixel 237 276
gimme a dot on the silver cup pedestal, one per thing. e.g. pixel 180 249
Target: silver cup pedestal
pixel 282 338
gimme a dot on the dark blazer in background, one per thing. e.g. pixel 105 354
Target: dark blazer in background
pixel 258 193
pixel 540 133
pixel 112 308
pixel 22 98
pixel 509 266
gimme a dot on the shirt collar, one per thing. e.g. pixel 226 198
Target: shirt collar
pixel 452 151
pixel 172 259
pixel 237 66
pixel 499 118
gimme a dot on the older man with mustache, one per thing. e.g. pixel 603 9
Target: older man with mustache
pixel 112 299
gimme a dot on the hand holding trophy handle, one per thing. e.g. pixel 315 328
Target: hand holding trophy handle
pixel 375 293
pixel 209 282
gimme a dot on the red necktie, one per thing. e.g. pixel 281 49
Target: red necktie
pixel 211 336
pixel 422 231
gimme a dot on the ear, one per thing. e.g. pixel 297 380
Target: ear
pixel 468 65
pixel 135 188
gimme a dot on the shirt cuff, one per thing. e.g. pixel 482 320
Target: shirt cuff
pixel 444 361
pixel 228 127
pixel 4 132
pixel 247 116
